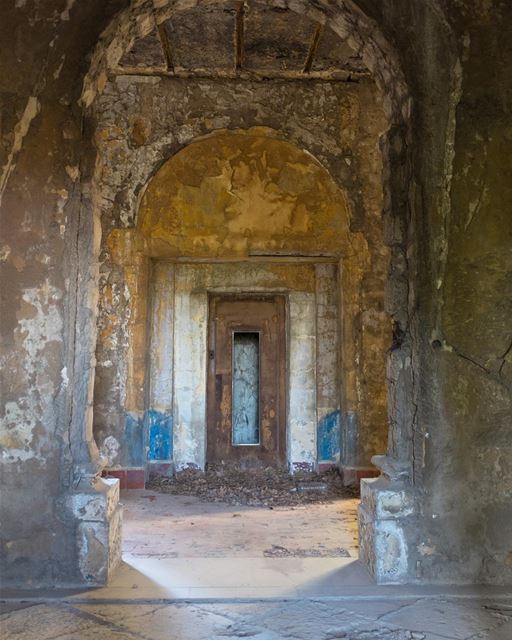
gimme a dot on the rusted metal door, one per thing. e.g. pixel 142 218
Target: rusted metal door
pixel 246 380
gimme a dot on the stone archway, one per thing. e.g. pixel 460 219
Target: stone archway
pixel 243 198
pixel 379 57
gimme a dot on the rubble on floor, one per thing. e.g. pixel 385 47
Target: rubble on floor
pixel 255 487
pixel 278 551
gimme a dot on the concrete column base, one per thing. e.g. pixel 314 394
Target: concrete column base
pixel 387 530
pixel 95 506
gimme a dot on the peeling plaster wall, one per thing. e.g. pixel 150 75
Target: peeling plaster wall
pixel 43 156
pixel 238 192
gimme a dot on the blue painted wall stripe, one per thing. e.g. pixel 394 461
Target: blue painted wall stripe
pixel 328 437
pixel 133 435
pixel 159 426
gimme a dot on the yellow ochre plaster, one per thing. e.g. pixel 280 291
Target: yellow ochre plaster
pixel 235 193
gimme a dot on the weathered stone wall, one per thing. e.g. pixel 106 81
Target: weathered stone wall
pixel 468 506
pixel 460 260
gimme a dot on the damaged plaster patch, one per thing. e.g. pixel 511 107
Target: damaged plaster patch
pixel 17 427
pixel 110 450
pixel 64 16
pixel 57 71
pixel 73 172
pixel 45 323
pixel 39 324
pixel 32 109
pixel 5 252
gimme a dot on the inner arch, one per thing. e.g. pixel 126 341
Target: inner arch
pixel 241 212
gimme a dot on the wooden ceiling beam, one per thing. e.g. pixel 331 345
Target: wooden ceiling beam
pixel 308 65
pixel 341 75
pixel 239 36
pixel 166 46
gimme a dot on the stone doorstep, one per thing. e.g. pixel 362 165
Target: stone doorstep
pixel 353 475
pixel 326 466
pixel 134 478
pixel 160 468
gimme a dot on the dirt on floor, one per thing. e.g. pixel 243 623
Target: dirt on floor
pixel 255 487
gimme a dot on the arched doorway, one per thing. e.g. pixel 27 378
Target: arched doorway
pixel 136 152
pixel 242 213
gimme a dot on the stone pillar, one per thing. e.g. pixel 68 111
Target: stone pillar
pixel 159 413
pixel 302 425
pixel 388 513
pixel 388 523
pixel 327 365
pixel 94 505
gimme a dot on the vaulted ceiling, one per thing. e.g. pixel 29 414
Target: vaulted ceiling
pixel 234 38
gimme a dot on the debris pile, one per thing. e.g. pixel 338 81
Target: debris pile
pixel 254 487
pixel 277 551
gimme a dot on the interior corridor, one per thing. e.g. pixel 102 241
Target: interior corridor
pixel 259 237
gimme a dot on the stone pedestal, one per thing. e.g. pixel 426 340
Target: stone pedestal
pixel 95 506
pixel 387 530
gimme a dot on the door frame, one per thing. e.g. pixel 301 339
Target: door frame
pixel 283 366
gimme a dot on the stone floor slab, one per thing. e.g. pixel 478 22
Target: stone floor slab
pixel 40 622
pixel 309 619
pixel 450 619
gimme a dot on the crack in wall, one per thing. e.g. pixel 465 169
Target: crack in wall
pixel 496 375
pixel 503 358
pixel 32 109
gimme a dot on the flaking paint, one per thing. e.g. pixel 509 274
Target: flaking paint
pixel 329 437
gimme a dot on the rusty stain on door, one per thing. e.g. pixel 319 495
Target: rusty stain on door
pixel 246 380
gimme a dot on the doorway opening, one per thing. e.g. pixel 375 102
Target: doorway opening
pixel 248 350
pixel 240 232
pixel 199 165
pixel 183 545
pixel 285 200
pixel 246 405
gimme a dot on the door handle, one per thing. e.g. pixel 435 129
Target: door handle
pixel 218 387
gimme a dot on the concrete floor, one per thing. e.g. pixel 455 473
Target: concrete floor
pixel 180 547
pixel 160 525
pixel 197 571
